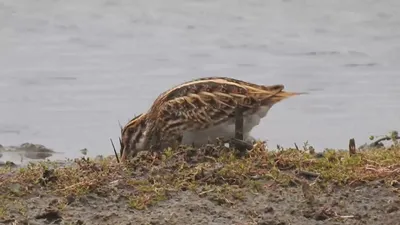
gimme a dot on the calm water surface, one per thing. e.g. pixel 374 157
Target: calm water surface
pixel 70 70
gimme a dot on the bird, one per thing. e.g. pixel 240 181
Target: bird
pixel 199 112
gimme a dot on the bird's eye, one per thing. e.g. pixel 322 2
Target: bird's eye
pixel 247 101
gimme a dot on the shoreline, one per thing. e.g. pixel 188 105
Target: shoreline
pixel 32 152
pixel 210 185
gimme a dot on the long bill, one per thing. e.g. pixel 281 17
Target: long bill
pixel 284 95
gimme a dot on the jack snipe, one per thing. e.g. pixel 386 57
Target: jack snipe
pixel 199 111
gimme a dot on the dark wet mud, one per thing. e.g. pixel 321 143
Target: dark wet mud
pixel 23 154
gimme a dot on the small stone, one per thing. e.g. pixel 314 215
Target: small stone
pixel 268 210
pixel 51 215
pixel 392 209
pixel 84 151
pixel 321 216
pixel 70 199
pixel 271 222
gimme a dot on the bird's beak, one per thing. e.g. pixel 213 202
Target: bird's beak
pixel 284 95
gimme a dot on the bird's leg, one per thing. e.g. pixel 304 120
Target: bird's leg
pixel 179 139
pixel 156 141
pixel 239 123
pixel 238 141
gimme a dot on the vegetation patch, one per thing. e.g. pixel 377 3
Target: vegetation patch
pixel 217 173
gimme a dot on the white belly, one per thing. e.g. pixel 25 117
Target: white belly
pixel 225 130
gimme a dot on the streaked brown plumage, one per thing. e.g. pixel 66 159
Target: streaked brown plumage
pixel 199 111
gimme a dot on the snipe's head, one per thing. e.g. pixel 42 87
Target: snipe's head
pixel 133 136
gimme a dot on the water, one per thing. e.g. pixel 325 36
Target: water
pixel 70 70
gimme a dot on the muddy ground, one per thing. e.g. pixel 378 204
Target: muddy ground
pixel 368 204
pixel 42 194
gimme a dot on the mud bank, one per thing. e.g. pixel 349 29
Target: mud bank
pixel 211 185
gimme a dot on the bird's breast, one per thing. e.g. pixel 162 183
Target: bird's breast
pixel 225 130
